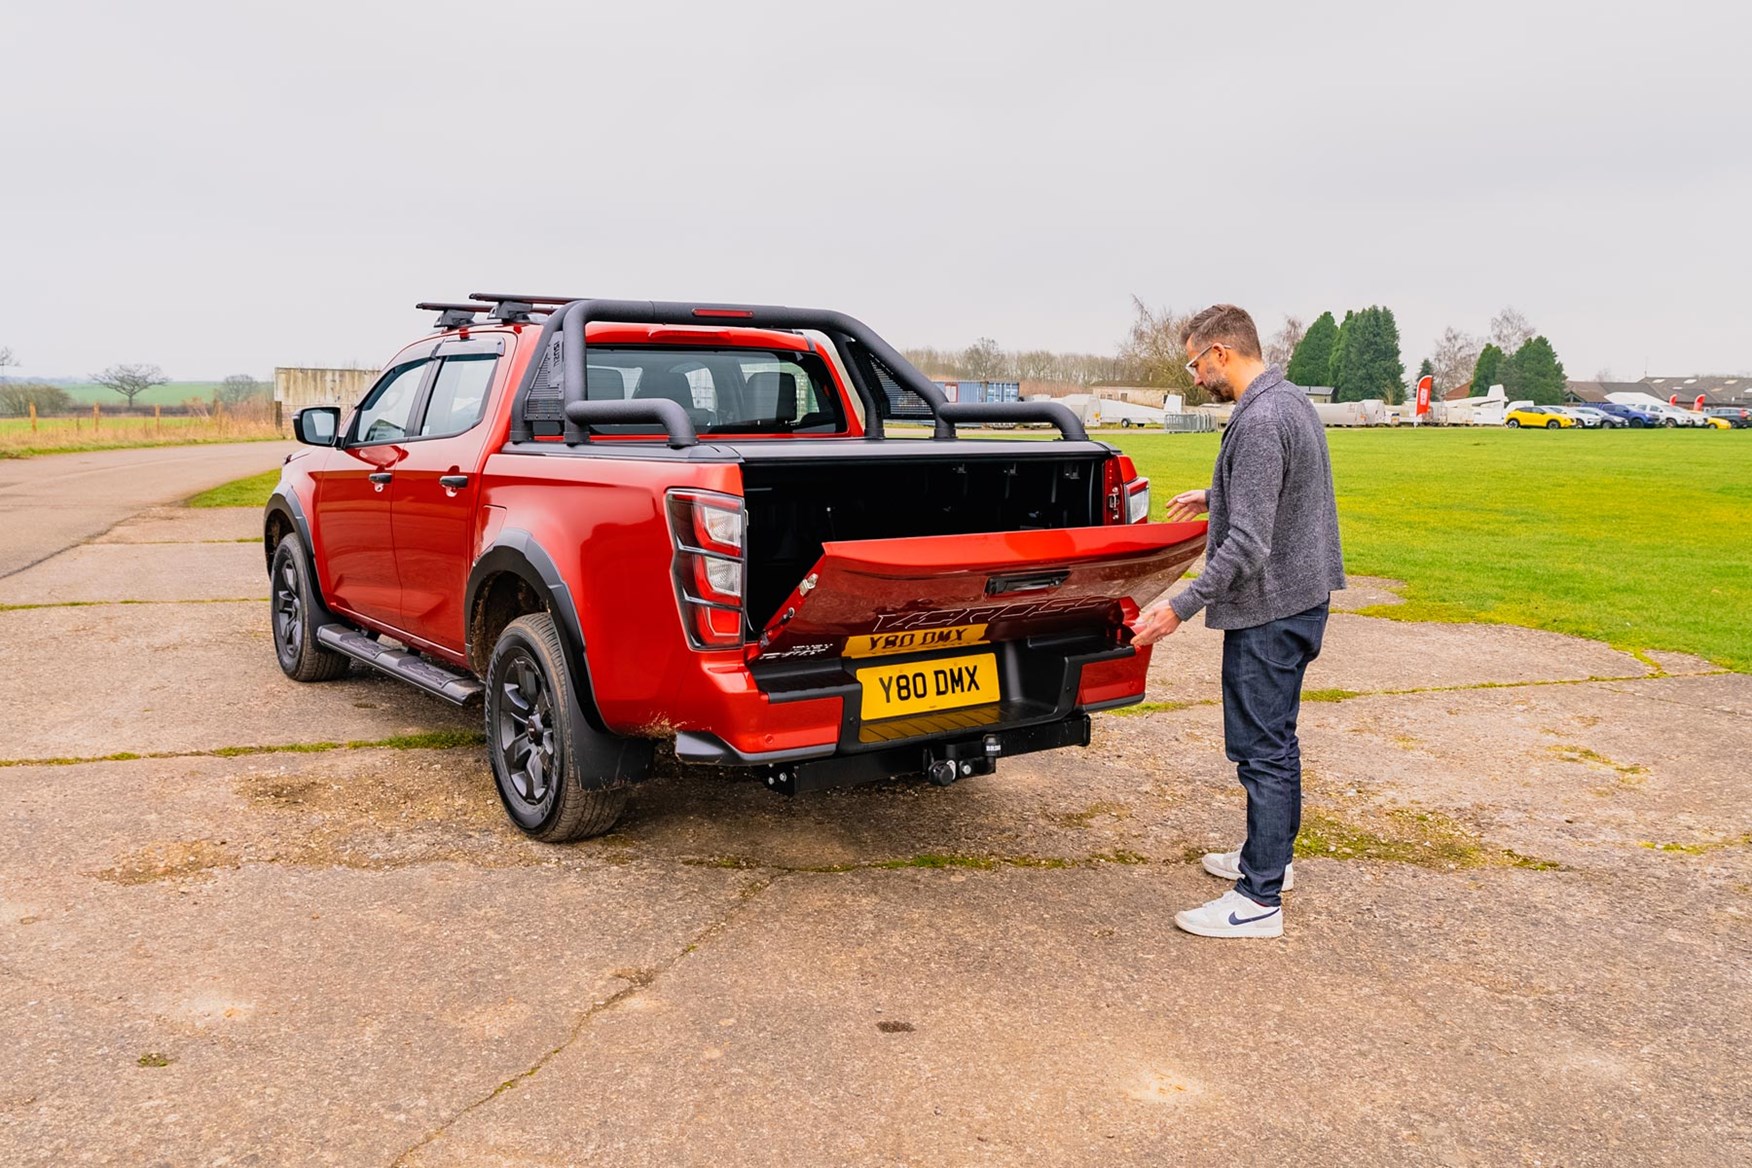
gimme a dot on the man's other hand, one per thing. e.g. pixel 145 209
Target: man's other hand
pixel 1154 622
pixel 1188 505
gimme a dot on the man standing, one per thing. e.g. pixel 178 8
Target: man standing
pixel 1271 564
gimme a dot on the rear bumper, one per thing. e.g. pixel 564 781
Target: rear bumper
pixel 1045 681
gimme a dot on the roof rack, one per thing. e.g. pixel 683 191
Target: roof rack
pixel 451 315
pixel 515 306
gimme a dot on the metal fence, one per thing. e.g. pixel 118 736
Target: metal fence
pixel 1188 423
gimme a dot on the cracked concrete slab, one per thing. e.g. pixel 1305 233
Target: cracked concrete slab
pixel 97 572
pixel 187 525
pixel 881 1018
pixel 351 957
pixel 88 682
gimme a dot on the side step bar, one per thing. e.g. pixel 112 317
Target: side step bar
pixel 442 681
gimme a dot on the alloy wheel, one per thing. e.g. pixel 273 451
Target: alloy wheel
pixel 525 730
pixel 288 610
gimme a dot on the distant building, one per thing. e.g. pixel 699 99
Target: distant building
pixel 1716 391
pixel 1319 394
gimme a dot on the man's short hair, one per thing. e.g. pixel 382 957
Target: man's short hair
pixel 1222 324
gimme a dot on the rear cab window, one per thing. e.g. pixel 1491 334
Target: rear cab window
pixel 724 390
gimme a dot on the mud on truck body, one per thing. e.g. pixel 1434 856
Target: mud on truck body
pixel 619 522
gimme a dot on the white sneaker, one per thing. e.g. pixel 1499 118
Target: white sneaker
pixel 1228 866
pixel 1233 915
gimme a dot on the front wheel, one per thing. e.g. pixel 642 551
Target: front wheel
pixel 537 742
pixel 1553 424
pixel 293 588
pixel 1513 424
pixel 1669 423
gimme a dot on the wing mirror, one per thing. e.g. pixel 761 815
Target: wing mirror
pixel 317 425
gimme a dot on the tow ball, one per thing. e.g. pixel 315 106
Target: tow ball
pixel 959 762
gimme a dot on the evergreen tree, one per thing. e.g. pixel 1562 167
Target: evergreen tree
pixel 1426 370
pixel 1311 363
pixel 1488 370
pixel 1336 361
pixel 1534 373
pixel 1367 363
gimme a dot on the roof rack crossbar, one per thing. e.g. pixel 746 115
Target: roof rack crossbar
pixel 451 315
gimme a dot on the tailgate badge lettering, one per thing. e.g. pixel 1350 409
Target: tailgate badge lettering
pixel 914 641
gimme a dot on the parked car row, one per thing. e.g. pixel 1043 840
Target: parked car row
pixel 1616 415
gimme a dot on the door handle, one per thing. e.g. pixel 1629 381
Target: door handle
pixel 380 477
pixel 453 482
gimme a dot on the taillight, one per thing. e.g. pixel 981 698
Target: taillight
pixel 1137 501
pixel 706 528
pixel 1126 496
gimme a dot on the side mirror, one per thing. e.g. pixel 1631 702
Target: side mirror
pixel 317 425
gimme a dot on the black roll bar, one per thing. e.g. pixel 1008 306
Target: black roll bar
pixel 668 414
pixel 568 324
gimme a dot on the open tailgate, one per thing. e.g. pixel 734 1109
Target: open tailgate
pixel 878 597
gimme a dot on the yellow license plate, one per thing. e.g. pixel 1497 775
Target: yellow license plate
pixel 891 691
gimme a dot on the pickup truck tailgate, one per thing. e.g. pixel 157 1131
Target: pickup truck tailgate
pixel 871 598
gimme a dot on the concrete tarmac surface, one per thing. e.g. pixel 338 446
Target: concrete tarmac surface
pixel 1521 932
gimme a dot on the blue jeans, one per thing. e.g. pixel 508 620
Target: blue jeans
pixel 1262 695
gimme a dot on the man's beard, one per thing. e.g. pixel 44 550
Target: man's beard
pixel 1221 390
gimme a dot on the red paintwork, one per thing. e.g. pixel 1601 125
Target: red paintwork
pixel 942 581
pixel 397 561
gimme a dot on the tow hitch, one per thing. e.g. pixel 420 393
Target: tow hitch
pixel 941 762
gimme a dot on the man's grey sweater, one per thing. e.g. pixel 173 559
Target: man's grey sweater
pixel 1273 547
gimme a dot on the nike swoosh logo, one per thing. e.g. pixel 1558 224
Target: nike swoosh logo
pixel 1234 920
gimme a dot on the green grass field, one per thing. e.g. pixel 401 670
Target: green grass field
pixel 1641 540
pixel 172 393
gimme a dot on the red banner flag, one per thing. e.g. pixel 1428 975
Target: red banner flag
pixel 1424 386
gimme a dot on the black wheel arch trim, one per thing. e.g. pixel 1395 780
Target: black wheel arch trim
pixel 517 551
pixel 284 503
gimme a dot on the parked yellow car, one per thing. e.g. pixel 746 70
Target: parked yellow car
pixel 1542 416
pixel 1716 423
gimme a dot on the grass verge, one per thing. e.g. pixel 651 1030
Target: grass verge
pixel 1635 538
pixel 249 492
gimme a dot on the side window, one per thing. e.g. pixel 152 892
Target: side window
pixel 384 415
pixel 459 394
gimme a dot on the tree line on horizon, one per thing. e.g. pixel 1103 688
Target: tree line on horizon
pixel 128 380
pixel 1358 358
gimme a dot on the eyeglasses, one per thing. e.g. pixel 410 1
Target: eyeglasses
pixel 1192 365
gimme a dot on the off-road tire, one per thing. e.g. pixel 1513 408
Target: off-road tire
pixel 535 739
pixel 291 589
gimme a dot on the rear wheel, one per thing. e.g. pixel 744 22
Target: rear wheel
pixel 537 743
pixel 1513 423
pixel 1668 422
pixel 293 587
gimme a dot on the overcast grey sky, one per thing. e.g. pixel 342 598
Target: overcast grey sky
pixel 226 187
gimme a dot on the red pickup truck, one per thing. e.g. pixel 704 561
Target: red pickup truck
pixel 619 522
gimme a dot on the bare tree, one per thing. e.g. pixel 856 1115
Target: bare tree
pixel 1509 330
pixel 984 361
pixel 6 357
pixel 1455 355
pixel 1279 349
pixel 131 380
pixel 240 388
pixel 1604 375
pixel 1153 355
